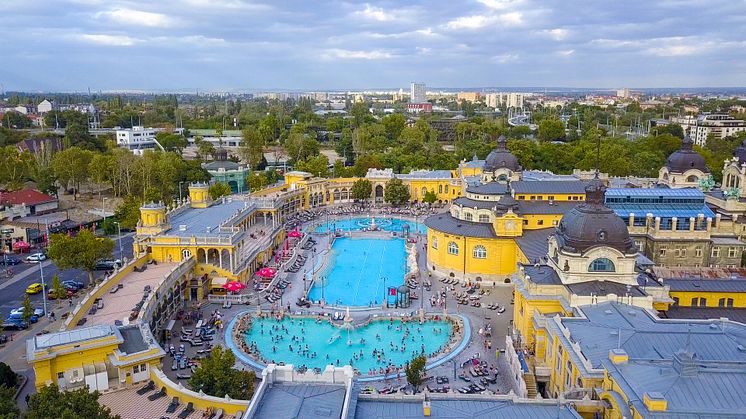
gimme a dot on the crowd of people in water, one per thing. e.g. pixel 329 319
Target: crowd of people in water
pixel 411 342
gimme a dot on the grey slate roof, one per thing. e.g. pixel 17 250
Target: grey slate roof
pixel 302 401
pixel 707 285
pixel 197 220
pixel 542 274
pixel 546 207
pixel 454 408
pixel 133 340
pixel 471 203
pixel 603 288
pixel 534 244
pixel 447 224
pixel 705 313
pixel 491 188
pixel 558 186
pixel 221 164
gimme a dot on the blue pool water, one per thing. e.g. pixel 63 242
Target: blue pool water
pixel 355 270
pixel 358 224
pixel 275 344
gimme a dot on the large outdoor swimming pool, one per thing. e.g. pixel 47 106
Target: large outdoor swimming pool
pixel 357 271
pixel 300 341
pixel 358 224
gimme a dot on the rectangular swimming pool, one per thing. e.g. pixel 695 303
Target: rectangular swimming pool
pixel 355 271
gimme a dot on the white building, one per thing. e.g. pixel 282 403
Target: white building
pixel 137 139
pixel 718 125
pixel 417 93
pixel 508 100
pixel 46 106
pixel 622 93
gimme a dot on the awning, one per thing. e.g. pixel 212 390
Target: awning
pixel 218 282
pixel 170 326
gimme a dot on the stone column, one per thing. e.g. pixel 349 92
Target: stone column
pixel 674 223
pixel 691 223
pixel 631 219
pixel 657 223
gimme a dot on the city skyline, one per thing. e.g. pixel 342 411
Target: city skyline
pixel 236 45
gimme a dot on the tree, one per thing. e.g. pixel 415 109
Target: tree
pixel 81 251
pixel 430 197
pixel 28 309
pixel 252 147
pixel 171 141
pixel 257 181
pixel 51 403
pixel 217 377
pixel 15 167
pixel 58 288
pixel 360 113
pixel 219 189
pixel 205 148
pixel 415 371
pixel 551 129
pixel 362 189
pixel 128 212
pixel 299 146
pixel 71 167
pixel 317 166
pixel 674 129
pixel 8 377
pixel 396 192
pixel 8 406
pixel 14 119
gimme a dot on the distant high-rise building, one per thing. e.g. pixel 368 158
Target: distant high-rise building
pixel 509 100
pixel 468 96
pixel 622 93
pixel 417 93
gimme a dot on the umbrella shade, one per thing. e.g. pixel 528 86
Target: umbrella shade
pixel 234 286
pixel 294 234
pixel 267 272
pixel 21 245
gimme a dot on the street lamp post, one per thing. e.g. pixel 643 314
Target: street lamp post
pixel 180 190
pixel 103 207
pixel 119 232
pixel 41 273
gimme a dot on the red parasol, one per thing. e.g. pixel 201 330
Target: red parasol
pixel 21 245
pixel 295 234
pixel 267 272
pixel 234 286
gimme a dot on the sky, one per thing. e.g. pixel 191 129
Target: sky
pixel 242 45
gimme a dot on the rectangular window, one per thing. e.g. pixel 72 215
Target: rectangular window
pixel 555 223
pixel 662 250
pixel 716 252
pixel 732 252
pixel 698 251
pixel 533 197
pixel 540 222
pixel 539 198
pixel 550 197
pixel 60 375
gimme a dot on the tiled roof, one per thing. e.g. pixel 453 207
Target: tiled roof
pixel 604 288
pixel 25 196
pixel 426 174
pixel 491 188
pixel 460 408
pixel 546 207
pixel 447 224
pixel 707 285
pixel 534 244
pixel 471 203
pixel 542 274
pixel 705 313
pixel 308 401
pixel 547 187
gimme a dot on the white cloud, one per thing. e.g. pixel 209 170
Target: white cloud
pixel 558 34
pixel 482 21
pixel 469 22
pixel 505 58
pixel 374 13
pixel 137 17
pixel 110 40
pixel 500 4
pixel 566 52
pixel 356 55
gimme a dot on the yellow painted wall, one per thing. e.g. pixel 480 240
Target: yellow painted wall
pixel 685 298
pixel 523 311
pixel 539 221
pixel 500 260
pixel 550 197
pixel 442 188
pixel 230 407
pixel 46 370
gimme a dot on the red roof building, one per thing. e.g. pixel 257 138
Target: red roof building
pixel 37 202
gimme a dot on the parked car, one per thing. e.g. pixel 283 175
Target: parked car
pixel 107 264
pixel 52 295
pixel 39 312
pixel 36 257
pixel 34 288
pixel 9 260
pixel 70 284
pixel 14 324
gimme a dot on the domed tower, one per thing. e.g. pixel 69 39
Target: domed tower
pixel 500 165
pixel 153 219
pixel 684 167
pixel 734 171
pixel 199 196
pixel 592 243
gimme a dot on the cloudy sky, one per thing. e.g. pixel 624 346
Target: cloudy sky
pixel 263 44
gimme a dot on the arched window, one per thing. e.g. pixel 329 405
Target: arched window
pixel 468 216
pixel 446 189
pixel 435 243
pixel 692 178
pixel 424 191
pixel 452 248
pixel 440 188
pixel 480 252
pixel 601 265
pixel 484 218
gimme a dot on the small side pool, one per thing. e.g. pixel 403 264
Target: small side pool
pixel 382 223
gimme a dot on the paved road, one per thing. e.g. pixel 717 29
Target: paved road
pixel 12 291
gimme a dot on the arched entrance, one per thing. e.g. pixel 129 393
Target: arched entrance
pixel 379 193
